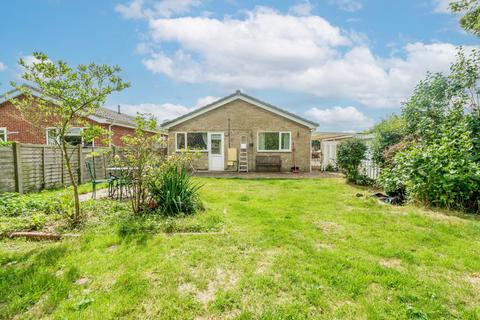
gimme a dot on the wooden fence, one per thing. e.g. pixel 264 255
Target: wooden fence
pixel 31 168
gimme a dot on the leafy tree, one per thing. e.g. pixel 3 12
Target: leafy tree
pixel 68 96
pixel 386 134
pixel 439 162
pixel 470 21
pixel 350 154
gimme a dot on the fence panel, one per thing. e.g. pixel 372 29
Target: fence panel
pixel 370 169
pixel 30 168
pixel 7 169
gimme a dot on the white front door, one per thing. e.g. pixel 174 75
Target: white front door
pixel 216 160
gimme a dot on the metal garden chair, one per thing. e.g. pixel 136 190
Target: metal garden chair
pixel 96 181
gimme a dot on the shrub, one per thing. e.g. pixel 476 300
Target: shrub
pixel 350 154
pixel 172 189
pixel 440 172
pixel 386 134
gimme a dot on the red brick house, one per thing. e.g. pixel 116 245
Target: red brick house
pixel 13 127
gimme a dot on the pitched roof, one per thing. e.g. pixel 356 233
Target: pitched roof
pixel 102 115
pixel 238 95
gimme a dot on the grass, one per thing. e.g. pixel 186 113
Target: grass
pixel 292 249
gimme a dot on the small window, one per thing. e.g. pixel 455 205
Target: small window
pixel 192 140
pixel 180 140
pixel 52 136
pixel 274 141
pixel 3 134
pixel 73 137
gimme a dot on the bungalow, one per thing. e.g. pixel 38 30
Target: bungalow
pixel 242 133
pixel 13 127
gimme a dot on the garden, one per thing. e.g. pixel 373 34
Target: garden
pixel 264 248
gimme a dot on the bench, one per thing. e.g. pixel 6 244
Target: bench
pixel 268 163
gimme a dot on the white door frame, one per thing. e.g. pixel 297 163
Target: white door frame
pixel 218 159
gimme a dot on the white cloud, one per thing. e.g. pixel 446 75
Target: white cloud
pixel 340 119
pixel 2 66
pixel 270 50
pixel 141 9
pixel 301 9
pixel 441 6
pixel 348 5
pixel 205 100
pixel 164 111
pixel 133 10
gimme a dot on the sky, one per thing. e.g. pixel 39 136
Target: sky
pixel 345 64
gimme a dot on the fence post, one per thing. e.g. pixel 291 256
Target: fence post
pixel 44 174
pixel 17 164
pixel 62 167
pixel 80 164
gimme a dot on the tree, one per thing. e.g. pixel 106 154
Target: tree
pixel 139 157
pixel 68 96
pixel 350 154
pixel 470 21
pixel 386 134
pixel 438 163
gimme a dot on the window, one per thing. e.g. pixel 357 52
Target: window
pixel 3 134
pixel 73 137
pixel 192 140
pixel 273 141
pixel 52 136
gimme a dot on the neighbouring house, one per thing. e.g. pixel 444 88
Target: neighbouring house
pixel 13 127
pixel 242 133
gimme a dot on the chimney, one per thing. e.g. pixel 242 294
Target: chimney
pixel 118 109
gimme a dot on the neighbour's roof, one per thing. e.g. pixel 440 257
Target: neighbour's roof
pixel 332 136
pixel 238 95
pixel 102 115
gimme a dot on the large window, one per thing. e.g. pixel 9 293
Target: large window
pixel 192 140
pixel 3 134
pixel 274 141
pixel 73 137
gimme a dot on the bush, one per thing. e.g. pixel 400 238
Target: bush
pixel 172 189
pixel 440 172
pixel 350 154
pixel 386 134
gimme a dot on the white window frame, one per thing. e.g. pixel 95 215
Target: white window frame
pixel 185 134
pixel 4 130
pixel 56 129
pixel 279 141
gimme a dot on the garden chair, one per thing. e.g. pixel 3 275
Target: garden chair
pixel 96 181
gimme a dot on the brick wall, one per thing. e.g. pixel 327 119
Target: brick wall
pixel 19 129
pixel 248 120
pixel 23 131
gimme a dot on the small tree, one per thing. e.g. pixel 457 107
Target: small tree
pixel 386 134
pixel 139 157
pixel 68 96
pixel 350 154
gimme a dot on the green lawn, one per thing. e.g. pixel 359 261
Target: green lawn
pixel 290 249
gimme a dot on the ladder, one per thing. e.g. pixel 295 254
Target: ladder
pixel 243 158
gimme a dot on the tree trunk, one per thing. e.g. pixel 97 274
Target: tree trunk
pixel 76 215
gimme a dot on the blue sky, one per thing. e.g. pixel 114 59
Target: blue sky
pixel 342 63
